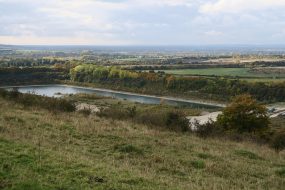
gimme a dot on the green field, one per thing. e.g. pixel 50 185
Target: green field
pixel 233 72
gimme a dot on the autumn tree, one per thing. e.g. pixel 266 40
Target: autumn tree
pixel 244 114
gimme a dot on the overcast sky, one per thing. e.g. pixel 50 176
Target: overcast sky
pixel 142 22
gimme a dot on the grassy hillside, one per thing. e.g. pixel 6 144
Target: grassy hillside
pixel 44 150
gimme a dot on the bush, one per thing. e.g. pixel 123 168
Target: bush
pixel 207 129
pixel 14 93
pixel 113 113
pixel 85 112
pixel 49 103
pixel 278 141
pixel 172 120
pixel 3 93
pixel 60 105
pixel 132 111
pixel 177 121
pixel 244 114
pixel 150 119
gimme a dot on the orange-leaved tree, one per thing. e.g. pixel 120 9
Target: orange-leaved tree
pixel 244 114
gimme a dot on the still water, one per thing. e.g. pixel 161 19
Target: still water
pixel 59 90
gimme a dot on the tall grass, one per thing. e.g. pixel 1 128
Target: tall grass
pixel 165 119
pixel 42 150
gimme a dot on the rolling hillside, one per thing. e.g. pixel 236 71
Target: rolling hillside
pixel 45 150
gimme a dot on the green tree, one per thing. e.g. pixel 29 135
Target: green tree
pixel 244 114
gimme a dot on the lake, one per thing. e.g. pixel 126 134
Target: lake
pixel 59 90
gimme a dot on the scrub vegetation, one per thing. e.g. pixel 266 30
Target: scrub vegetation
pixel 43 150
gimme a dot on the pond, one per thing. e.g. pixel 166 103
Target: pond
pixel 59 90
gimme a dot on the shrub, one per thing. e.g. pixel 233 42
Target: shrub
pixel 177 121
pixel 207 129
pixel 166 119
pixel 14 93
pixel 132 111
pixel 3 93
pixel 244 114
pixel 49 103
pixel 151 118
pixel 113 113
pixel 85 111
pixel 61 105
pixel 278 141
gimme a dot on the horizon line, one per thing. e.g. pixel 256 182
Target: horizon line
pixel 149 45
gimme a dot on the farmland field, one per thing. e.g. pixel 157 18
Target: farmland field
pixel 234 72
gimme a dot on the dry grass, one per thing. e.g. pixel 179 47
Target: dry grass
pixel 42 150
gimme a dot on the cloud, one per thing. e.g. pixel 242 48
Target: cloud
pixel 30 40
pixel 238 6
pixel 213 33
pixel 279 34
pixel 187 3
pixel 143 22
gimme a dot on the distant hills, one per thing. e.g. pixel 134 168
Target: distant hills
pixel 213 49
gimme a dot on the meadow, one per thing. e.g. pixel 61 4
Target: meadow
pixel 41 149
pixel 231 72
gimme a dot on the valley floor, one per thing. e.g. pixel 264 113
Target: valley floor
pixel 44 150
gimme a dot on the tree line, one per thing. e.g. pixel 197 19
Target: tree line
pixel 32 75
pixel 30 62
pixel 151 82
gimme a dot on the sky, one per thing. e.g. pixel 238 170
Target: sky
pixel 142 22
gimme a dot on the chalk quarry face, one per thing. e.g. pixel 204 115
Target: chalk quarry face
pixel 84 106
pixel 196 120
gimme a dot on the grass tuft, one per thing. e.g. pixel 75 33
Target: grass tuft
pixel 205 156
pixel 247 154
pixel 198 164
pixel 128 148
pixel 281 172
